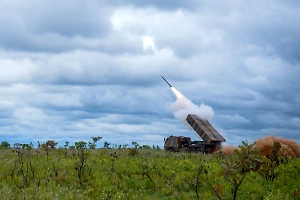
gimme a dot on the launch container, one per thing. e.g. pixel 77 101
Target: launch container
pixel 204 129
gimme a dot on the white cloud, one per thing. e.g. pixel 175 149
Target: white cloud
pixel 30 115
pixel 14 71
pixel 98 71
pixel 233 119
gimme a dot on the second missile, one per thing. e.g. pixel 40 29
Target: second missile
pixel 167 81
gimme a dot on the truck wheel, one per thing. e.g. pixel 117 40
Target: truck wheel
pixel 171 149
pixel 192 150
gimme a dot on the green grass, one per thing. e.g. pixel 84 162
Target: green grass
pixel 123 174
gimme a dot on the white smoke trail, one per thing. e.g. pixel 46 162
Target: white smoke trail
pixel 183 106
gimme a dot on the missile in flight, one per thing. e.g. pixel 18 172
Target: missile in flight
pixel 167 82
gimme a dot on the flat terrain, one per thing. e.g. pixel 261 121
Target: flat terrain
pixel 134 174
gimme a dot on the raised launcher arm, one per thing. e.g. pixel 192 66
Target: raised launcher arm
pixel 205 130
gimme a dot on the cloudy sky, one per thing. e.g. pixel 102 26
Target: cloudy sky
pixel 71 70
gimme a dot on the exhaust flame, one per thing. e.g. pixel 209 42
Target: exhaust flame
pixel 183 106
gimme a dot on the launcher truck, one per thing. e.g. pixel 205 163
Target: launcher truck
pixel 211 139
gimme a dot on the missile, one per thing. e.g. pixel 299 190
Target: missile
pixel 167 82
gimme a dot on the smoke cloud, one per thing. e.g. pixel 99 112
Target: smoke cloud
pixel 183 106
pixel 227 150
pixel 288 147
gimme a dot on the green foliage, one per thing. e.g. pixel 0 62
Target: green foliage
pixel 66 145
pixel 4 145
pixel 243 161
pixel 23 146
pixel 80 145
pixel 106 145
pixel 96 139
pixel 270 170
pixel 133 151
pixel 50 144
pixel 135 144
pixel 93 145
pixel 81 161
pixel 83 173
pixel 145 147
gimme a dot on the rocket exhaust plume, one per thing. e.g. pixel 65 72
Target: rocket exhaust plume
pixel 183 106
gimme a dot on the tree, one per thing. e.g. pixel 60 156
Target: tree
pixel 17 145
pixel 145 147
pixel 92 145
pixel 51 144
pixel 27 146
pixel 135 144
pixel 23 146
pixel 4 145
pixel 66 144
pixel 106 145
pixel 96 139
pixel 72 147
pixel 80 145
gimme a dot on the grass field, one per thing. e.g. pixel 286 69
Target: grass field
pixel 130 173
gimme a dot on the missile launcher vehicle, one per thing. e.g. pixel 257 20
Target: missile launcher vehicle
pixel 211 139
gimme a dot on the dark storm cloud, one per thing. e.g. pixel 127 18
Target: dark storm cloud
pixel 71 70
pixel 53 26
pixel 267 25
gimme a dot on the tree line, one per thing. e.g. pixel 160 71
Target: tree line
pixel 52 144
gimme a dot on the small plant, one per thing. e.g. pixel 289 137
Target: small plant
pixel 296 194
pixel 133 151
pixel 269 171
pixel 242 162
pixel 23 167
pixel 80 164
pixel 113 157
pixel 48 146
pixel 200 171
pixel 147 174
